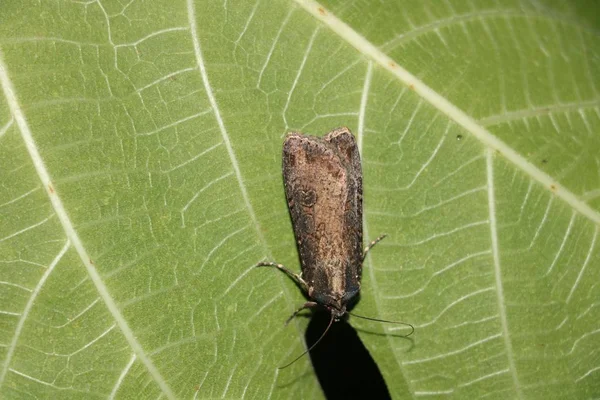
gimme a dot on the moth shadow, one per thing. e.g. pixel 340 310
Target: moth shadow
pixel 343 365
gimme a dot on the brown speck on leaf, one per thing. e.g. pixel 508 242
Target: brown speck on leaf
pixel 553 187
pixel 322 11
pixel 91 261
pixel 544 161
pixel 411 86
pixel 51 188
pixel 392 64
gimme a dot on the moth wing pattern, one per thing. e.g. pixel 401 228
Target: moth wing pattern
pixel 323 186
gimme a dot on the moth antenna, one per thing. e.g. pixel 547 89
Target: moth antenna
pixel 412 328
pixel 311 347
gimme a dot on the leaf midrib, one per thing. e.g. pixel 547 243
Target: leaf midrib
pixel 360 43
pixel 73 237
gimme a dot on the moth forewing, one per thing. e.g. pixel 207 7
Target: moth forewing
pixel 323 185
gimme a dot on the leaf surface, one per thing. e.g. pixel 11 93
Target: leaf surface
pixel 140 150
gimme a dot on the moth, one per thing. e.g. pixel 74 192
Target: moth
pixel 323 188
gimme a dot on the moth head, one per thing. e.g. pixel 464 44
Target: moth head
pixel 334 305
pixel 337 312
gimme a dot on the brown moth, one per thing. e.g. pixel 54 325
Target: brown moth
pixel 323 187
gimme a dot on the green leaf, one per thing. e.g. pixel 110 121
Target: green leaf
pixel 140 147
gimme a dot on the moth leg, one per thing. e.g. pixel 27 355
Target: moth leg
pixel 308 304
pixel 297 278
pixel 370 246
